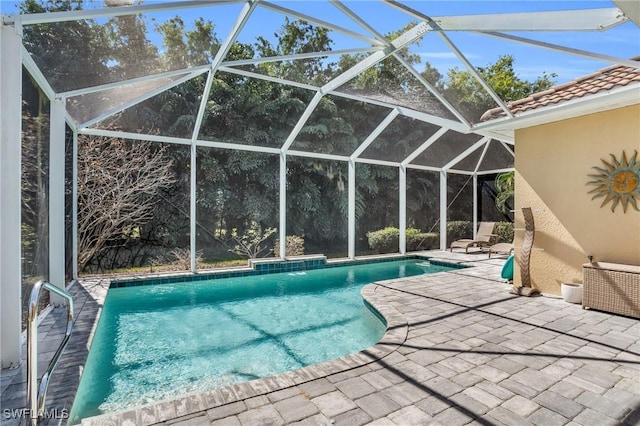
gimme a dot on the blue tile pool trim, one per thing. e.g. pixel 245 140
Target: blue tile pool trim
pixel 271 267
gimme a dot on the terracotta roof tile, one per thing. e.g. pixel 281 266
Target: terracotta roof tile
pixel 601 80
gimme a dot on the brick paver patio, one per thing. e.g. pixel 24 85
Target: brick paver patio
pixel 459 350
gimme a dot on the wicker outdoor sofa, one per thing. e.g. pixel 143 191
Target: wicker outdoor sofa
pixel 612 287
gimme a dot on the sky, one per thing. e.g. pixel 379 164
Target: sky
pixel 530 62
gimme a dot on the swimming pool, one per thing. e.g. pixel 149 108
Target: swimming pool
pixel 154 342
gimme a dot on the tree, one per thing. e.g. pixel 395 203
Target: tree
pixel 239 189
pixel 73 53
pixel 474 101
pixel 297 37
pixel 188 48
pixel 118 188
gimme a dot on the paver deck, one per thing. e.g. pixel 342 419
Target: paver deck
pixel 459 350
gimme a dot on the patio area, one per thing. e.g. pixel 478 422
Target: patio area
pixel 459 350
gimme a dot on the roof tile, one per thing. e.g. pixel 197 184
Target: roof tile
pixel 601 80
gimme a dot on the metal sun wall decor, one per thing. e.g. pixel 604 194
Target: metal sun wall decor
pixel 618 182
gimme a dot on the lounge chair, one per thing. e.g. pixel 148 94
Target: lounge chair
pixel 502 248
pixel 482 240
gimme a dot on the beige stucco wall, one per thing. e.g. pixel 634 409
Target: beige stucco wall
pixel 552 164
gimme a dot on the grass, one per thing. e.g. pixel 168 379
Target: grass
pixel 183 265
pixel 170 267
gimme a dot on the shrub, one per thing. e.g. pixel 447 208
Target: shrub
pixel 295 246
pixel 504 230
pixel 387 240
pixel 250 244
pixel 422 240
pixel 384 240
pixel 459 229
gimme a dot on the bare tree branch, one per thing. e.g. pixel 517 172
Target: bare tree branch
pixel 118 187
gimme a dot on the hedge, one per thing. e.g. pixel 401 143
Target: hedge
pixel 464 229
pixel 386 240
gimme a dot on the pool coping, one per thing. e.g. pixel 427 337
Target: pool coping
pixel 395 335
pixel 269 266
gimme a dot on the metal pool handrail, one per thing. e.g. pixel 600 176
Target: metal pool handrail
pixel 36 396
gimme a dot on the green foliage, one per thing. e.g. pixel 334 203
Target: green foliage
pixel 384 240
pixel 297 37
pixel 188 48
pixel 387 240
pixel 417 240
pixel 504 230
pixel 252 243
pixel 317 200
pixel 459 229
pixel 295 246
pixel 500 76
pixel 505 185
pixel 237 191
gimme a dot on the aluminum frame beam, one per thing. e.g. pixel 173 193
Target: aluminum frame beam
pixel 433 90
pixel 254 148
pixel 630 8
pixel 408 112
pixel 283 206
pixel 459 172
pixel 402 209
pixel 484 152
pixel 308 18
pixel 466 153
pixel 73 15
pixel 443 210
pixel 574 20
pixel 311 106
pixel 402 41
pixel 377 162
pixel 425 168
pixel 297 56
pixel 147 95
pixel 35 72
pixel 321 156
pixel 374 134
pixel 259 76
pixel 10 196
pixel 57 197
pixel 491 172
pixel 406 38
pixel 351 210
pixel 133 136
pixel 74 206
pixel 432 139
pixel 563 49
pixel 434 27
pixel 475 206
pixel 364 24
pixel 241 20
pixel 117 84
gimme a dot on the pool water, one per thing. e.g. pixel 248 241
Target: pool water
pixel 155 342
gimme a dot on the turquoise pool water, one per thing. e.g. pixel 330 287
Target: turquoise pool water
pixel 156 342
